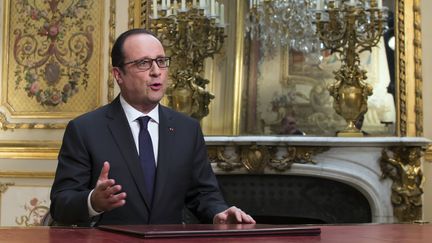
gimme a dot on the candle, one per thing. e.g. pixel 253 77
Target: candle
pixel 163 4
pixel 168 3
pixel 319 5
pixel 217 8
pixel 379 4
pixel 183 5
pixel 222 15
pixel 212 8
pixel 202 4
pixel 194 4
pixel 155 13
pixel 175 7
pixel 352 2
pixel 250 3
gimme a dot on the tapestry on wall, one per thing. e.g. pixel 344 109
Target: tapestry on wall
pixel 52 58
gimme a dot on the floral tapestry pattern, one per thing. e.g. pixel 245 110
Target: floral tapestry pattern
pixel 52 65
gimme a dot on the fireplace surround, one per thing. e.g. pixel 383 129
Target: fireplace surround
pixel 280 179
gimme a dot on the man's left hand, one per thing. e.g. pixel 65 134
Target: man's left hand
pixel 233 215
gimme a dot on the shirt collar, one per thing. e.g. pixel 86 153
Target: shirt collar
pixel 132 114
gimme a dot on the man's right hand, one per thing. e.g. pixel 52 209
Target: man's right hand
pixel 106 195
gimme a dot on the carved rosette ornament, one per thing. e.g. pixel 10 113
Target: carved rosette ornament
pixel 403 166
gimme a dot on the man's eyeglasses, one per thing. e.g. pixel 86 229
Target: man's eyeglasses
pixel 145 64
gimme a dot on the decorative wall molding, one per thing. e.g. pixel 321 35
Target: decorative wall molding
pixel 418 69
pixel 29 149
pixel 27 174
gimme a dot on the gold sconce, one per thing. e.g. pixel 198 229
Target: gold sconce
pixel 349 28
pixel 191 32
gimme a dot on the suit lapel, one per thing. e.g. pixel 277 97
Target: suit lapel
pixel 166 141
pixel 122 134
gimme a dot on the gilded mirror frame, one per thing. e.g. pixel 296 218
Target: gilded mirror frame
pixel 409 102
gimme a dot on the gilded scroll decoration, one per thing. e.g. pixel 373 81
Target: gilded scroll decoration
pixel 257 158
pixel 6 125
pixel 285 157
pixel 53 64
pixel 226 157
pixel 5 186
pixel 403 166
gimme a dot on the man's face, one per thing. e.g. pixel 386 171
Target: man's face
pixel 142 89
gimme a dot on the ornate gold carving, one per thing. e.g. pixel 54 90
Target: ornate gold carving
pixel 403 166
pixel 111 39
pixel 340 34
pixel 138 13
pixel 5 186
pixel 291 155
pixel 256 158
pixel 408 66
pixel 6 125
pixel 418 69
pixel 187 97
pixel 226 157
pixel 190 37
pixel 428 154
pixel 401 67
pixel 35 211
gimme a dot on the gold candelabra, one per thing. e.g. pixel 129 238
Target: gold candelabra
pixel 191 33
pixel 349 28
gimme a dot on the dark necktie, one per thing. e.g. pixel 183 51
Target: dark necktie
pixel 146 155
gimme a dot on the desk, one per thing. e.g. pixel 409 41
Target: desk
pixel 367 233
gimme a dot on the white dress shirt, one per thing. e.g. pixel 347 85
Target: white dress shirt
pixel 153 127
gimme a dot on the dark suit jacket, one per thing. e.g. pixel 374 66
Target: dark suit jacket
pixel 183 178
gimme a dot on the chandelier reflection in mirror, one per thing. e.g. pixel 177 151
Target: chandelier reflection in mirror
pixel 191 31
pixel 349 28
pixel 285 23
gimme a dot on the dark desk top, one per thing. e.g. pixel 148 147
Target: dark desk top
pixel 366 233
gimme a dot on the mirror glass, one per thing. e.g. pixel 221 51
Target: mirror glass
pixel 272 75
pixel 286 72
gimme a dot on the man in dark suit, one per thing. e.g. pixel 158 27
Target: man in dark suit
pixel 100 178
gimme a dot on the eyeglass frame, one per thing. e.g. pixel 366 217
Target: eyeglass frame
pixel 166 59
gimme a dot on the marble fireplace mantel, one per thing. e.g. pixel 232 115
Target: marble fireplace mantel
pixel 386 170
